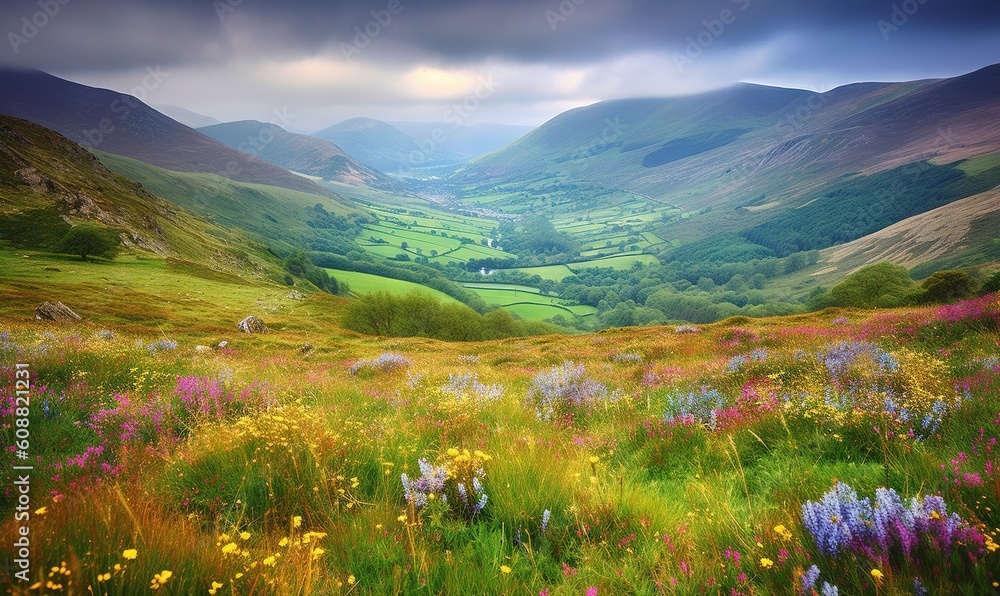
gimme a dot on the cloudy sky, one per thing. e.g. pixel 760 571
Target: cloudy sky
pixel 317 62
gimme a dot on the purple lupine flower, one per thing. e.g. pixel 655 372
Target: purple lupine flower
pixel 809 579
pixel 545 519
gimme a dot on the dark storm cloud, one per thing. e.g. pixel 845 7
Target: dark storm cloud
pixel 85 35
pixel 416 59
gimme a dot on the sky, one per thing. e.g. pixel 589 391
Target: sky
pixel 308 64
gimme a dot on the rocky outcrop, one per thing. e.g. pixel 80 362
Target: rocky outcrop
pixel 56 311
pixel 252 324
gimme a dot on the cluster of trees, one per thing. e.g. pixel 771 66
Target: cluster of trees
pixel 885 285
pixel 867 204
pixel 536 241
pixel 299 265
pixel 421 315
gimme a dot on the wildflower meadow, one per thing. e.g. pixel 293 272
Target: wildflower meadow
pixel 840 452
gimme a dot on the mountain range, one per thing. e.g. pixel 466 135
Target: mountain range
pixel 905 172
pixel 295 152
pixel 124 125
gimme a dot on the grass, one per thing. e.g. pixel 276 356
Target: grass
pixel 617 262
pixel 268 468
pixel 363 283
pixel 165 293
pixel 980 164
pixel 554 272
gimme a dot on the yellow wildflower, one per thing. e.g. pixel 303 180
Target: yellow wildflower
pixel 766 563
pixel 877 575
pixel 244 535
pixel 283 542
pixel 229 548
pixel 505 569
pixel 297 521
pixel 269 561
pixel 594 459
pixel 453 452
pixel 783 532
pixel 351 579
pixel 40 511
pixel 130 553
pixel 317 552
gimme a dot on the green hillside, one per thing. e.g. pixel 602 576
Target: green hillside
pixel 278 216
pixel 47 183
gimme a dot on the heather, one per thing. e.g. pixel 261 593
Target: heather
pixel 841 452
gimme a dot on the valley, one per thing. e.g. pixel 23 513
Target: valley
pixel 742 341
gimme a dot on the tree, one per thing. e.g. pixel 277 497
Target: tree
pixel 948 286
pixel 991 285
pixel 876 286
pixel 89 240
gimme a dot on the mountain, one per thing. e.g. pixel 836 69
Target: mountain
pixel 123 125
pixel 456 143
pixel 295 152
pixel 185 116
pixel 49 183
pixel 403 146
pixel 728 147
pixel 378 145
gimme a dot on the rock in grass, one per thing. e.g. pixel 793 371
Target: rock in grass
pixel 252 324
pixel 58 312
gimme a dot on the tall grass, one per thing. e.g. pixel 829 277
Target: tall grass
pixel 262 470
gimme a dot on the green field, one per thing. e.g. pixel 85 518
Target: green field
pixel 363 283
pixel 553 272
pixel 978 165
pixel 618 262
pixel 527 302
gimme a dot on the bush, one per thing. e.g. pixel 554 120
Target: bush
pixel 877 286
pixel 420 315
pixel 948 286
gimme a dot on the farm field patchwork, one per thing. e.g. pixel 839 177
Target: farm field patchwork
pixel 527 302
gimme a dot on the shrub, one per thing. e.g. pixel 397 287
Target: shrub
pixel 877 286
pixel 948 286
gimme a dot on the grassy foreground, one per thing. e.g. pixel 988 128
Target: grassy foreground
pixel 748 456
